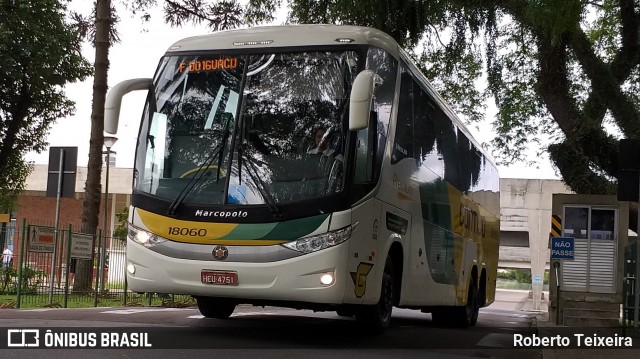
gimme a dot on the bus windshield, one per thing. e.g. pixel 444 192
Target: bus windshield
pixel 246 129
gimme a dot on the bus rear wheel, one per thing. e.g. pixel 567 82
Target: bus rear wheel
pixel 216 308
pixel 376 318
pixel 467 315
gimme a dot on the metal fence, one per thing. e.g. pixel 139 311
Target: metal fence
pixel 631 294
pixel 66 268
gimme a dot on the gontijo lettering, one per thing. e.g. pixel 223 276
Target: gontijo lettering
pixel 209 65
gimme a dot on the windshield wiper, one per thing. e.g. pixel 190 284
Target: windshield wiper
pixel 225 137
pixel 199 174
pixel 261 187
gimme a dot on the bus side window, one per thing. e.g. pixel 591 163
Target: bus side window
pixel 403 141
pixel 365 151
pixel 424 136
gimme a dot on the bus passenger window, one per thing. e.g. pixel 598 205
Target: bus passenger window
pixel 403 143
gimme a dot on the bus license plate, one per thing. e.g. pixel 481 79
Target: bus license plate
pixel 219 278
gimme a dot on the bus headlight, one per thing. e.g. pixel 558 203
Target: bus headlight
pixel 321 241
pixel 143 237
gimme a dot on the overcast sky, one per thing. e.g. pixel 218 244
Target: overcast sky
pixel 137 55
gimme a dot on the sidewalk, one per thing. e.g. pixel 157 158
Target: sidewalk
pixel 549 328
pixel 527 306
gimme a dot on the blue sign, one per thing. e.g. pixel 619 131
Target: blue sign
pixel 562 248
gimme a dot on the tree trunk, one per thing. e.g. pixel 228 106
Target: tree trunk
pixel 91 203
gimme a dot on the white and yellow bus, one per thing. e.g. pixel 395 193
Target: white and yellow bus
pixel 308 166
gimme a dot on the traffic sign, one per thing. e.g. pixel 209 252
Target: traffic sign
pixel 537 280
pixel 68 181
pixel 81 246
pixel 562 248
pixel 41 239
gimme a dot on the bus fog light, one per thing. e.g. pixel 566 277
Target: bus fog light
pixel 131 268
pixel 327 278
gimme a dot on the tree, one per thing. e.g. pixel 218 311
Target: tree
pixel 101 28
pixel 103 34
pixel 121 230
pixel 39 55
pixel 559 70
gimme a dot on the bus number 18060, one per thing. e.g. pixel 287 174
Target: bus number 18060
pixel 183 231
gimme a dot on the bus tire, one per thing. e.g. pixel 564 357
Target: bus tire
pixel 376 318
pixel 216 308
pixel 476 308
pixel 467 315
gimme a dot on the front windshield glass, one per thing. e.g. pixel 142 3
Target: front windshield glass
pixel 290 128
pixel 187 125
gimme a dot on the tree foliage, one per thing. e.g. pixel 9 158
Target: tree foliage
pixel 560 70
pixel 219 15
pixel 39 55
pixel 122 229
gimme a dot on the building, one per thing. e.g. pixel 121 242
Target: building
pixel 36 208
pixel 525 221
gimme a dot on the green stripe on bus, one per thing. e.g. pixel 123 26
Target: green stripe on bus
pixel 250 231
pixel 296 228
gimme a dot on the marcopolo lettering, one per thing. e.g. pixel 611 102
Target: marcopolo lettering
pixel 221 214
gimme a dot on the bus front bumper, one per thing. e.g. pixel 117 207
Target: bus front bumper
pixel 296 279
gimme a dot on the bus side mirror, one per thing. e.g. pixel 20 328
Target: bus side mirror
pixel 114 100
pixel 360 99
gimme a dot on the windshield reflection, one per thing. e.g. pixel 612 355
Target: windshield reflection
pixel 289 127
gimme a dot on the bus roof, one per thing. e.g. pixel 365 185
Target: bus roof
pixel 285 36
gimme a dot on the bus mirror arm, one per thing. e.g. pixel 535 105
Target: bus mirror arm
pixel 360 99
pixel 114 100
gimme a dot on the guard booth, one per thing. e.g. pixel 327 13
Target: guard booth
pixel 586 281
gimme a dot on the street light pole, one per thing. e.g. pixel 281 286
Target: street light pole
pixel 109 141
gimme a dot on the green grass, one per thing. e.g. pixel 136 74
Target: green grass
pixel 116 285
pixel 88 301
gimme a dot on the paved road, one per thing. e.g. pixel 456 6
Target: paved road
pixel 284 333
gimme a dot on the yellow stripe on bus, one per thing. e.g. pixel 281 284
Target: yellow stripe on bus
pixel 175 229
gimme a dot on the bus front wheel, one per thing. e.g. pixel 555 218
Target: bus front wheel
pixel 376 318
pixel 217 308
